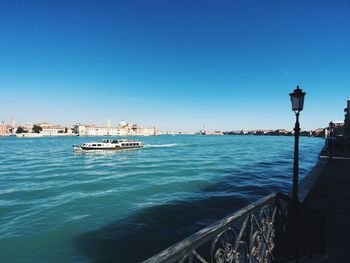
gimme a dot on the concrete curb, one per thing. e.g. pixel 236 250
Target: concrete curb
pixel 309 181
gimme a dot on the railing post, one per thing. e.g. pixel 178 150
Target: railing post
pixel 190 257
pixel 251 228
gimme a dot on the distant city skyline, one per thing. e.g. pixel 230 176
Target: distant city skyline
pixel 175 65
pixel 110 123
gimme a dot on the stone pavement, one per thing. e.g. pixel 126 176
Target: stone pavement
pixel 331 196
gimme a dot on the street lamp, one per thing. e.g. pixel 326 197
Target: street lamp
pixel 297 99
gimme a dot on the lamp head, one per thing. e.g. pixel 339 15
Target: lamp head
pixel 297 99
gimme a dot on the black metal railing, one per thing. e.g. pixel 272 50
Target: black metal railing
pixel 273 229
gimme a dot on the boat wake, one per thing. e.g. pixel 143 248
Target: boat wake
pixel 160 145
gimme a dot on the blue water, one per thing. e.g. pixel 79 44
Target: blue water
pixel 61 206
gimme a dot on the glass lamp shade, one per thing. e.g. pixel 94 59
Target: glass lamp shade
pixel 297 99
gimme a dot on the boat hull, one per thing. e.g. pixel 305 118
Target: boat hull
pixel 109 148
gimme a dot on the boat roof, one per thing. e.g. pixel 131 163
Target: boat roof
pixel 113 141
pixel 118 140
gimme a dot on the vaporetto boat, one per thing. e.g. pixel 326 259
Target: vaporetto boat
pixel 109 145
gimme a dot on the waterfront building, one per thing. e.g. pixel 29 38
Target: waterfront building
pixel 51 130
pixel 122 123
pixel 124 129
pixel 28 127
pixel 215 133
pixel 13 126
pixel 347 122
pixel 69 131
pixel 268 132
pixel 338 128
pixel 3 129
pixel 79 129
pixel 146 131
pixel 93 130
pixel 206 132
pixel 283 132
pixel 128 128
pixel 320 132
pixel 244 131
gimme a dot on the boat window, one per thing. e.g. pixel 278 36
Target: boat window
pixel 94 145
pixel 98 144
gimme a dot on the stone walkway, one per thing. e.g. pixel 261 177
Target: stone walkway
pixel 331 196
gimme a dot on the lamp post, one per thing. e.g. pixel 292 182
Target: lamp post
pixel 297 99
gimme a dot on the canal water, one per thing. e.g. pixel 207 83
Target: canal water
pixel 61 206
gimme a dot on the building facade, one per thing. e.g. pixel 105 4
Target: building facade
pixel 347 123
pixel 124 129
pixel 93 130
pixel 28 127
pixel 51 130
pixel 3 129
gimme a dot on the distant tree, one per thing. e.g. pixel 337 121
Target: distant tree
pixel 60 131
pixel 37 129
pixel 20 130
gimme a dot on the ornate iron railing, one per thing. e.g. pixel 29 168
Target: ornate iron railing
pixel 273 229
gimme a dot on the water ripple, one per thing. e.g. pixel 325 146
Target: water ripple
pixel 49 195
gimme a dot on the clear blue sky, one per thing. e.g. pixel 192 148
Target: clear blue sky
pixel 174 64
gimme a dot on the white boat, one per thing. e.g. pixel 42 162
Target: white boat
pixel 109 145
